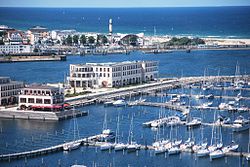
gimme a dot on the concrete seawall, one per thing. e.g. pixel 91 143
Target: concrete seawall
pixel 39 115
pixel 29 58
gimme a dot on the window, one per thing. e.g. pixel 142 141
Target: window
pixel 96 69
pixel 46 101
pixel 104 69
pixel 22 100
pixel 101 69
pixel 108 74
pixel 31 100
pixel 108 69
pixel 39 101
pixel 104 75
pixel 100 75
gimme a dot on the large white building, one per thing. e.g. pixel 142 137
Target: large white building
pixel 114 74
pixel 6 49
pixel 9 91
pixel 41 97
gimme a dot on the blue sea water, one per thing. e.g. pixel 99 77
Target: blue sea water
pixel 231 22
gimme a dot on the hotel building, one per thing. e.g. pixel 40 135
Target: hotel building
pixel 9 91
pixel 114 74
pixel 42 98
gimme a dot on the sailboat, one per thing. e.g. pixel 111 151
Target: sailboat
pixel 202 150
pixel 174 149
pixel 132 145
pixel 107 134
pixel 218 152
pixel 74 144
pixel 118 146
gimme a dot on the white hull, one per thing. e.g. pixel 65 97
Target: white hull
pixel 120 147
pixel 173 150
pixel 202 153
pixel 71 146
pixel 216 154
pixel 107 146
pixel 240 128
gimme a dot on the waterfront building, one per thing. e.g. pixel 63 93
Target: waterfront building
pixel 37 33
pixel 8 49
pixel 9 91
pixel 113 74
pixel 42 98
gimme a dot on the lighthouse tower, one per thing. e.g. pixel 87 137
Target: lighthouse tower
pixel 110 27
pixel 110 31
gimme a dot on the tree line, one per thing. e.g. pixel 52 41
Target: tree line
pixel 83 40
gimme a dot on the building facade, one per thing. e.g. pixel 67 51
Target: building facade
pixel 116 74
pixel 9 91
pixel 10 49
pixel 42 98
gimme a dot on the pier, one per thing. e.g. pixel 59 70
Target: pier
pixel 89 141
pixel 163 84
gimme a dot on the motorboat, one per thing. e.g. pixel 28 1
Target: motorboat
pixel 71 146
pixel 194 122
pixel 108 103
pixel 240 124
pixel 119 103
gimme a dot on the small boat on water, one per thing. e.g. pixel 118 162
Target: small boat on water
pixel 108 103
pixel 74 144
pixel 202 152
pixel 106 146
pixel 216 154
pixel 120 147
pixel 174 150
pixel 194 122
pixel 240 124
pixel 71 146
pixel 119 103
pixel 231 147
pixel 159 150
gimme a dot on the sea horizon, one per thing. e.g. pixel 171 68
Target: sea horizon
pixel 220 22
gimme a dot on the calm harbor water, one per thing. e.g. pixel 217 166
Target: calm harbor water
pixel 22 135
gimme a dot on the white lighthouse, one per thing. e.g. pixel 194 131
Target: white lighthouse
pixel 110 27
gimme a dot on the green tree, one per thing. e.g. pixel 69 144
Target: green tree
pixel 69 40
pixel 91 39
pixel 83 39
pixel 75 39
pixel 58 42
pixel 104 39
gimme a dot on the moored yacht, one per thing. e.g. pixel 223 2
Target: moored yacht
pixel 119 103
pixel 71 146
pixel 240 124
pixel 216 154
pixel 106 146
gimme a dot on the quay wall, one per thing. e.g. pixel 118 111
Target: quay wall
pixel 39 115
pixel 29 58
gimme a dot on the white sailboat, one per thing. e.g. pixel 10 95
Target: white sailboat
pixel 74 144
pixel 118 146
pixel 107 134
pixel 132 145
